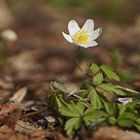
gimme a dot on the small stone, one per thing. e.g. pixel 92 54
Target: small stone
pixel 50 119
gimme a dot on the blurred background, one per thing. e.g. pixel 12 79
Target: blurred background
pixel 33 52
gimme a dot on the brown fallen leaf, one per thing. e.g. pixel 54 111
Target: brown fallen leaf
pixel 10 114
pixel 61 137
pixel 26 127
pixel 37 134
pixel 6 108
pixel 114 133
pixel 12 119
pixel 19 95
pixel 9 134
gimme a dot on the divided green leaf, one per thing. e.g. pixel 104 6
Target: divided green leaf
pixel 71 125
pixel 83 93
pixel 98 122
pixel 94 68
pixel 110 108
pixel 128 115
pixel 110 72
pixel 109 87
pixel 57 87
pixel 96 100
pixel 98 78
pixel 125 123
pixel 72 110
pixel 112 120
pixel 55 102
pixel 137 126
pixel 92 115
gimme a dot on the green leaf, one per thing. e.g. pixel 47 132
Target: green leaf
pixel 86 85
pixel 97 122
pixel 55 102
pixel 110 73
pixel 98 79
pixel 83 93
pixel 72 110
pixel 112 120
pixel 127 119
pixel 110 108
pixel 132 105
pixel 57 87
pixel 111 88
pixel 96 101
pixel 68 110
pixel 128 115
pixel 72 125
pixel 80 107
pixel 129 107
pixel 90 115
pixel 137 126
pixel 122 109
pixel 119 92
pixel 94 68
pixel 125 123
pixel 107 86
pixel 138 121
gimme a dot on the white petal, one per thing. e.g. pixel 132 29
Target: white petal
pixel 125 100
pixel 89 25
pixel 95 34
pixel 67 37
pixel 73 27
pixel 91 44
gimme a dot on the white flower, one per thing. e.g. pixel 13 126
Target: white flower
pixel 125 100
pixel 84 37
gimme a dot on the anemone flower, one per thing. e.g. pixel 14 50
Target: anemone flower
pixel 83 37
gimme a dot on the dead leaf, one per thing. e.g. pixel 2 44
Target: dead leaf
pixel 19 95
pixel 9 134
pixel 12 119
pixel 114 133
pixel 26 127
pixel 6 108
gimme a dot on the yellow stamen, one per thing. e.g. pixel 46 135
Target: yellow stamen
pixel 81 37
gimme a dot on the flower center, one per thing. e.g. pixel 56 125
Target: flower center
pixel 81 37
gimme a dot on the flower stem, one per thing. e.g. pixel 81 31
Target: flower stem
pixel 78 64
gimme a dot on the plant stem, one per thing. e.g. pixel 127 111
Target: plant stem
pixel 78 64
pixel 129 90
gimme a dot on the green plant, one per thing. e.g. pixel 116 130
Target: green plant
pixel 90 106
